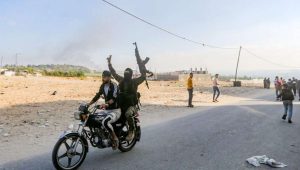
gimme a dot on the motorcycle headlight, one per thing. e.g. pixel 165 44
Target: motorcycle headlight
pixel 73 127
pixel 77 115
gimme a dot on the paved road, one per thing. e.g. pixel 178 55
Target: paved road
pixel 216 138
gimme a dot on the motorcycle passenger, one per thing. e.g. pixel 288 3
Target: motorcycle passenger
pixel 128 98
pixel 109 90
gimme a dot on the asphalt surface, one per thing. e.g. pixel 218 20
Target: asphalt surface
pixel 219 138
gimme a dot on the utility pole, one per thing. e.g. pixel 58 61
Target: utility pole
pixel 1 61
pixel 16 59
pixel 236 70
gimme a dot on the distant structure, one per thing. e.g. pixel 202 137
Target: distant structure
pixel 9 73
pixel 169 76
pixel 182 75
pixel 199 75
pixel 2 71
pixel 200 71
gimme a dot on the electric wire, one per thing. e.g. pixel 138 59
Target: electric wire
pixel 165 30
pixel 269 61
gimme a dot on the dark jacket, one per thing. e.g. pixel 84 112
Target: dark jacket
pixel 112 93
pixel 287 94
pixel 128 89
pixel 298 84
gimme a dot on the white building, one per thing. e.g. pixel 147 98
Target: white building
pixel 9 73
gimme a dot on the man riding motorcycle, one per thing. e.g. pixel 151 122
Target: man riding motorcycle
pixel 109 90
pixel 128 97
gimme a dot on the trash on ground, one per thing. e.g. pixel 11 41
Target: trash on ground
pixel 6 134
pixel 257 160
pixel 54 93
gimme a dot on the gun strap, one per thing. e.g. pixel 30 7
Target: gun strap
pixel 147 83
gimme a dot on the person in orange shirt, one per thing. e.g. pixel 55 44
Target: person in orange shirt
pixel 190 89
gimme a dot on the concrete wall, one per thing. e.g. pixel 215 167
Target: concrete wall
pixel 196 79
pixel 166 77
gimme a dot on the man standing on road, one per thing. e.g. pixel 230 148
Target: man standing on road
pixel 298 88
pixel 190 89
pixel 290 84
pixel 277 85
pixel 294 86
pixel 268 83
pixel 216 88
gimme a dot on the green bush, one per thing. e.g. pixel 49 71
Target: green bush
pixel 59 73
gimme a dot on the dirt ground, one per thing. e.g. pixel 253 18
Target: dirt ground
pixel 30 115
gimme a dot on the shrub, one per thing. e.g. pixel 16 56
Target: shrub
pixel 59 73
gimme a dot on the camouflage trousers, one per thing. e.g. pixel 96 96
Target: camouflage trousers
pixel 129 114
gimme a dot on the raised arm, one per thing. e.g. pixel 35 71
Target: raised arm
pixel 143 70
pixel 113 71
pixel 140 79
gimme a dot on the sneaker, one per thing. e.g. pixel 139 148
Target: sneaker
pixel 115 144
pixel 284 117
pixel 290 121
pixel 190 105
pixel 130 136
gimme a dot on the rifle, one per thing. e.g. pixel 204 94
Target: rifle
pixel 142 64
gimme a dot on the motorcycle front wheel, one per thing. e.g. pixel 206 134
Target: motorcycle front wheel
pixel 65 156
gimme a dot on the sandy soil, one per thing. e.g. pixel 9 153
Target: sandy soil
pixel 31 117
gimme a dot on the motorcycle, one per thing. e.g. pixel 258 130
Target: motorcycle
pixel 72 147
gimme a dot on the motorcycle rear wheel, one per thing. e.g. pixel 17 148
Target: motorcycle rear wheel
pixel 125 146
pixel 68 142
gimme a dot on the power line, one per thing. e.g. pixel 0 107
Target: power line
pixel 269 61
pixel 192 41
pixel 165 30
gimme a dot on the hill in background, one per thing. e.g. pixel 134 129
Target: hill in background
pixel 64 70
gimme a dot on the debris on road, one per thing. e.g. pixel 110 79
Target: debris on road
pixel 54 93
pixel 42 126
pixel 257 160
pixel 6 134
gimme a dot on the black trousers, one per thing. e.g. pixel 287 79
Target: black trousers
pixel 190 91
pixel 294 90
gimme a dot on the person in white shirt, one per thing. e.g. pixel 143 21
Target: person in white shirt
pixel 216 89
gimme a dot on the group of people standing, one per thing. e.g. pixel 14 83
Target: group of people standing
pixel 215 88
pixel 267 83
pixel 293 84
pixel 286 91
